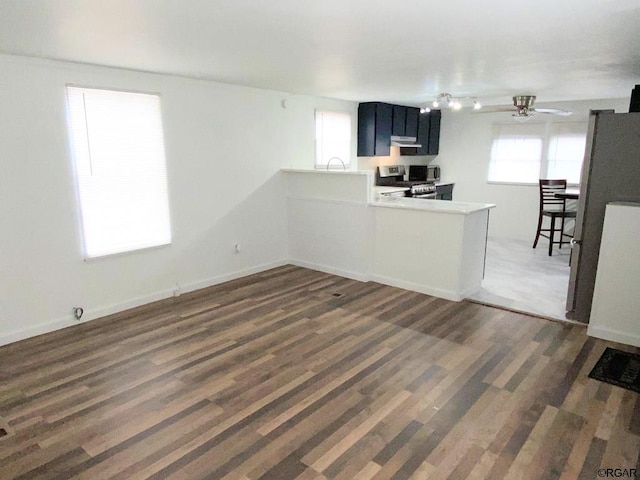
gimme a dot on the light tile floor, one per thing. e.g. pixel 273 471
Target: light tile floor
pixel 524 279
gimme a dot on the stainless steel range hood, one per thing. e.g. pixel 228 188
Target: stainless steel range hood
pixel 397 141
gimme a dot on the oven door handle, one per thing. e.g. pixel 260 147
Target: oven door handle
pixel 431 196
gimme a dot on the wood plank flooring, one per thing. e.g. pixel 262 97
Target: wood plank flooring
pixel 297 374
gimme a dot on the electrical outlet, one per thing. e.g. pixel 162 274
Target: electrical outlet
pixel 77 312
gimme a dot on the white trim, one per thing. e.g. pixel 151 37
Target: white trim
pixel 93 314
pixel 416 287
pixel 193 286
pixel 101 312
pixel 614 335
pixel 361 277
pixel 35 330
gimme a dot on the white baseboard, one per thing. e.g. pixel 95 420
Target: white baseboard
pixel 17 335
pixel 392 282
pixel 625 338
pixel 361 277
pixel 209 282
pixel 93 314
pixel 416 287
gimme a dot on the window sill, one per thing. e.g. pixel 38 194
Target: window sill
pixel 122 253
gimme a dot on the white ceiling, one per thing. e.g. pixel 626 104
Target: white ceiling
pixel 402 51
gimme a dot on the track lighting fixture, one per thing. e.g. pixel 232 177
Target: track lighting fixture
pixel 454 103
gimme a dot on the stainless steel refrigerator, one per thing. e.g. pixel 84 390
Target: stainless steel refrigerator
pixel 611 172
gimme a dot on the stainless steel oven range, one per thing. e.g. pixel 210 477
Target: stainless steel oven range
pixel 393 176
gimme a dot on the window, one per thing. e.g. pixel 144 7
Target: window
pixel 333 139
pixel 118 151
pixel 515 159
pixel 524 153
pixel 566 152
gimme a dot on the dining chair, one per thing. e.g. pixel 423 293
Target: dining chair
pixel 554 208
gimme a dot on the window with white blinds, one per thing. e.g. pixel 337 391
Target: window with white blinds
pixel 526 152
pixel 516 153
pixel 567 142
pixel 118 151
pixel 333 140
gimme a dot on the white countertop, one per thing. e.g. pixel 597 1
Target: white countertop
pixel 332 171
pixel 436 206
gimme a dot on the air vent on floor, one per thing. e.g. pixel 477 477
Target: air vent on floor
pixel 5 430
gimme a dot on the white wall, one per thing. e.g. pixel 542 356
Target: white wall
pixel 614 312
pixel 465 149
pixel 329 222
pixel 441 254
pixel 225 145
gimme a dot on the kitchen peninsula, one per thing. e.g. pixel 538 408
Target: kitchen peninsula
pixel 338 225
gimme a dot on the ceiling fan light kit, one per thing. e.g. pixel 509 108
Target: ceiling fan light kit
pixel 524 107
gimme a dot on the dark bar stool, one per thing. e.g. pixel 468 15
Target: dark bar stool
pixel 554 208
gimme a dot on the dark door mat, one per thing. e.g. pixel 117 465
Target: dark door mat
pixel 618 368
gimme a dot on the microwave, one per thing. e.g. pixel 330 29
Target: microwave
pixel 424 173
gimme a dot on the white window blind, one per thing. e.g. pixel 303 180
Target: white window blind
pixel 333 139
pixel 118 150
pixel 526 152
pixel 566 151
pixel 516 153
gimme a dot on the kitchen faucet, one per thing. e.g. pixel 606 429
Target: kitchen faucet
pixel 336 158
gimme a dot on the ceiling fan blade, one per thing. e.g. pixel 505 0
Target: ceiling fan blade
pixel 493 110
pixel 553 111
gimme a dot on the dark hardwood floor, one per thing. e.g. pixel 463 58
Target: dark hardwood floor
pixel 296 374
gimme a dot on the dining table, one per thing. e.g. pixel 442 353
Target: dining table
pixel 568 194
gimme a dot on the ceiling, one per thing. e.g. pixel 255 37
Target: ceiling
pixel 405 51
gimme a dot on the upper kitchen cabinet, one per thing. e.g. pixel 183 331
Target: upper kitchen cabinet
pixel 378 121
pixel 405 121
pixel 375 121
pixel 428 135
pixel 434 132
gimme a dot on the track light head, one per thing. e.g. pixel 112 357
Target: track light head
pixel 455 103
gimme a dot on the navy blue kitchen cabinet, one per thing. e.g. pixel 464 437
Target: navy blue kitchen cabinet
pixel 399 120
pixel 374 129
pixel 411 129
pixel 377 121
pixel 405 121
pixel 434 132
pixel 428 134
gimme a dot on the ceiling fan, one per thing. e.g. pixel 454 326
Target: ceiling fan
pixel 524 108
